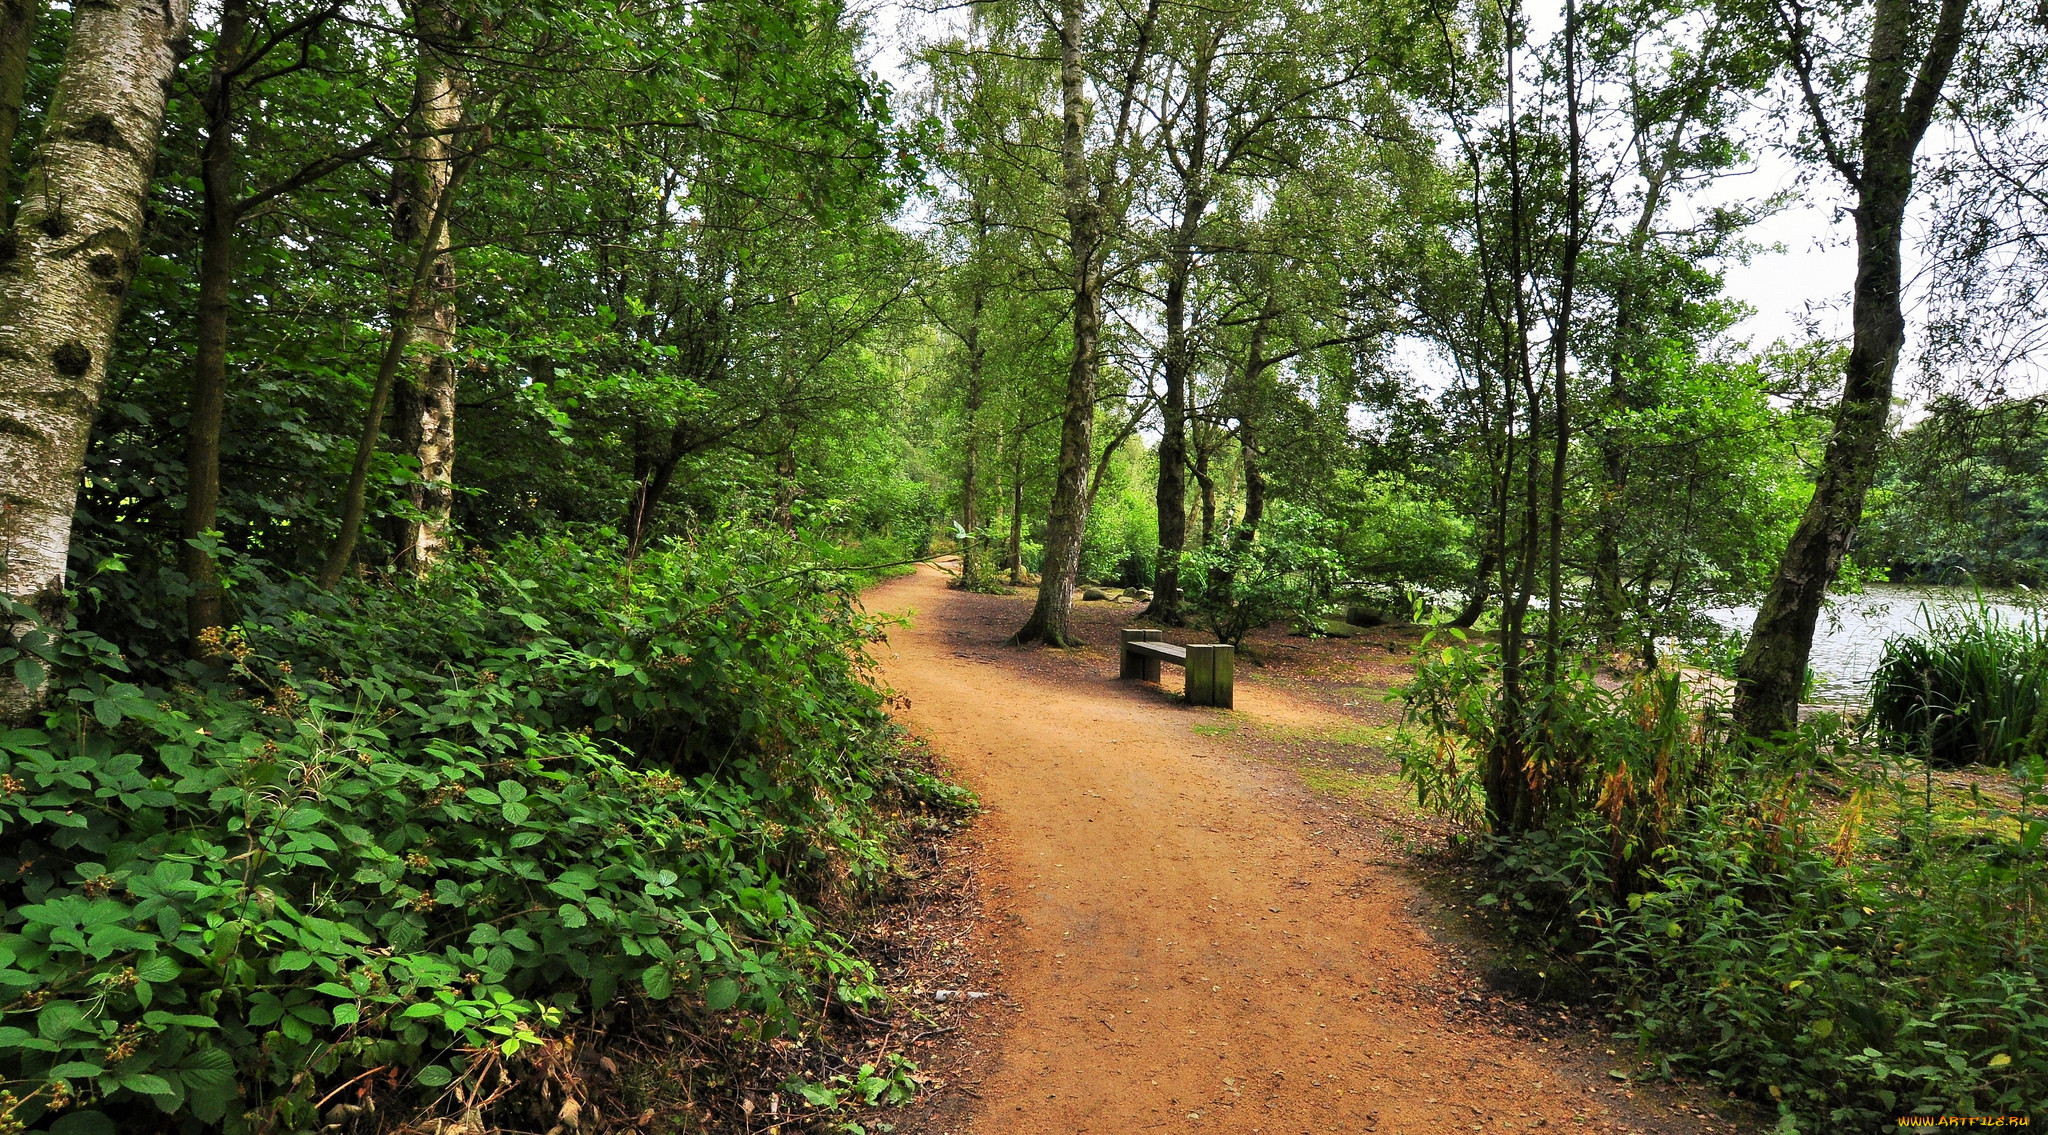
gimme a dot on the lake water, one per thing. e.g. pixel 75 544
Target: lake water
pixel 1849 642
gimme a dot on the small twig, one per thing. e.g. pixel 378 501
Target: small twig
pixel 346 1083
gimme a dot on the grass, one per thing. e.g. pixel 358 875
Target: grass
pixel 1340 782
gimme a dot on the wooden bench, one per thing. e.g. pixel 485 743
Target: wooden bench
pixel 1210 666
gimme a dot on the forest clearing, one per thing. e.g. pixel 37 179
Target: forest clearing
pixel 600 569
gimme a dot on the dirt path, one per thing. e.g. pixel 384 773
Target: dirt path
pixel 1184 948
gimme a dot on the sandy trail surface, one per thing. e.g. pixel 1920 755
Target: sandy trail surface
pixel 1183 946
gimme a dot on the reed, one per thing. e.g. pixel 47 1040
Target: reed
pixel 1968 689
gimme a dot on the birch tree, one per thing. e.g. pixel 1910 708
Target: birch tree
pixel 426 391
pixel 64 266
pixel 1095 187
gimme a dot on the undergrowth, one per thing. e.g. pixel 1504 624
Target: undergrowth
pixel 1810 925
pixel 398 847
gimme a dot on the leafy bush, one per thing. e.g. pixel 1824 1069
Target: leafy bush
pixel 1394 532
pixel 1969 689
pixel 425 825
pixel 1237 586
pixel 1803 924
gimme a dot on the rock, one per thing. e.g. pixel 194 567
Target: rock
pixel 1094 595
pixel 1142 595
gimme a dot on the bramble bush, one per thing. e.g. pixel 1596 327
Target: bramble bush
pixel 1808 924
pixel 424 825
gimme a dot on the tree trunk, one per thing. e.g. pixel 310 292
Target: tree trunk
pixel 387 372
pixel 426 407
pixel 647 494
pixel 1895 116
pixel 1505 779
pixel 1017 519
pixel 17 32
pixel 64 266
pixel 1561 353
pixel 1208 487
pixel 1248 406
pixel 1178 363
pixel 1049 621
pixel 971 555
pixel 219 217
pixel 1172 493
pixel 1475 605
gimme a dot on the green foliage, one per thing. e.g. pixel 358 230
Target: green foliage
pixel 1970 688
pixel 1394 531
pixel 1122 539
pixel 1962 496
pixel 1802 924
pixel 1845 976
pixel 427 823
pixel 1289 571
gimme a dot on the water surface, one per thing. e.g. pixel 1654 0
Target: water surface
pixel 1849 642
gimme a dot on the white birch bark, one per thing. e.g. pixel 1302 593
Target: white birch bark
pixel 428 407
pixel 64 266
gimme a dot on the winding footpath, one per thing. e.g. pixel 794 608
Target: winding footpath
pixel 1184 948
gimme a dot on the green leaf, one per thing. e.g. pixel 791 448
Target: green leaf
pixel 147 1083
pixel 29 673
pixel 83 1123
pixel 347 1014
pixel 75 1070
pixel 435 1076
pixel 209 1078
pixel 59 1019
pixel 721 994
pixel 657 982
pixel 572 916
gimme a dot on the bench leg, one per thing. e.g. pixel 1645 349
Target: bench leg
pixel 1130 665
pixel 1211 671
pixel 1201 674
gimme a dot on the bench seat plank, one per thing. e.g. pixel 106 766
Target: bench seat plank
pixel 1165 650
